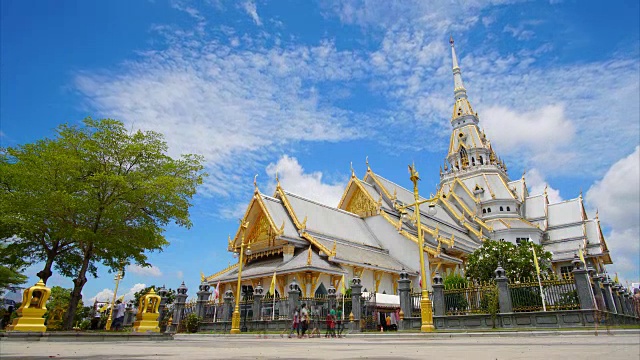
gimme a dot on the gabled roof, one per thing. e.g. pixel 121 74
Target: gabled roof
pixel 332 222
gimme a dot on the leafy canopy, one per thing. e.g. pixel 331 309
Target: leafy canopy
pixel 516 260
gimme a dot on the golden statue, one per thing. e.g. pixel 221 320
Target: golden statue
pixel 34 301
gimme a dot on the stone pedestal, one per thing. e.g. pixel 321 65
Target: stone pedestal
pixel 356 304
pixel 616 298
pixel 258 295
pixel 598 294
pixel 294 297
pixel 504 294
pixel 404 292
pixel 203 294
pixel 331 295
pixel 606 292
pixel 583 285
pixel 438 295
pixel 227 300
pixel 178 307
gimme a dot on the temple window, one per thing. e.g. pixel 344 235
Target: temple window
pixel 473 161
pixel 484 211
pixel 501 209
pixel 481 160
pixel 508 209
pixel 488 209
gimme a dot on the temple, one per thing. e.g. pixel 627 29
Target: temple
pixel 369 236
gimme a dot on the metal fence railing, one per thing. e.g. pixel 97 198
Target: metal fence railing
pixel 559 294
pixel 471 298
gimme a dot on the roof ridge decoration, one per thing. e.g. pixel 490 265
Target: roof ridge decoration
pixel 228 268
pixel 310 253
pixel 366 205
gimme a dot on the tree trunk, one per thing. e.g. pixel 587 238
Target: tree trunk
pixel 76 294
pixel 46 273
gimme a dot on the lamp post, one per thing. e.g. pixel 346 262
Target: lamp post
pixel 425 303
pixel 117 278
pixel 235 318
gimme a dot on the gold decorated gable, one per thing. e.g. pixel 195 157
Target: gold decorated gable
pixel 361 204
pixel 261 232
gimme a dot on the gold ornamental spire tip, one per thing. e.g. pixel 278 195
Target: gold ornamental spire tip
pixel 255 182
pixel 353 173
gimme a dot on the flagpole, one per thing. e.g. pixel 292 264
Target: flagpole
pixel 273 312
pixel 535 259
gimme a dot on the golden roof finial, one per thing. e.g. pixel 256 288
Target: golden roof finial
pixel 546 187
pixel 366 160
pixel 229 239
pixel 580 196
pixel 597 214
pixel 353 173
pixel 277 179
pixel 303 225
pixel 309 256
pixel 523 173
pixel 395 194
pixel 255 182
pixel 202 277
pixel 451 40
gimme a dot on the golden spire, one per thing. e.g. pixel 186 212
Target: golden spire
pixel 202 277
pixel 597 215
pixel 277 180
pixel 366 160
pixel 309 256
pixel 303 225
pixel 353 173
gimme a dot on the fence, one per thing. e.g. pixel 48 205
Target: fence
pixel 559 294
pixel 415 303
pixel 473 298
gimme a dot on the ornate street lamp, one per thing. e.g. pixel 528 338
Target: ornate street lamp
pixel 235 319
pixel 425 303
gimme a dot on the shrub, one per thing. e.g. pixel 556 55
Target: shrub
pixel 192 322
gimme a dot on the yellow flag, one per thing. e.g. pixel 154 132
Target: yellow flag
pixel 342 287
pixel 581 255
pixel 535 259
pixel 104 308
pixel 272 289
pixel 615 279
pixel 121 298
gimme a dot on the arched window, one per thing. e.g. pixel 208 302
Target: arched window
pixel 508 209
pixel 473 161
pixel 488 209
pixel 480 160
pixel 464 158
pixel 484 211
pixel 501 209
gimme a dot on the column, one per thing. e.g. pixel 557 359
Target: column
pixel 162 292
pixel 438 295
pixel 597 292
pixel 203 297
pixel 606 284
pixel 331 291
pixel 258 294
pixel 356 305
pixel 227 300
pixel 504 294
pixel 294 296
pixel 583 284
pixel 616 298
pixel 181 298
pixel 404 291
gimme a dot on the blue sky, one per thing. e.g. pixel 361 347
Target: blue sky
pixel 305 88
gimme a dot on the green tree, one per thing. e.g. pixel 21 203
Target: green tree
pixel 115 191
pixel 57 305
pixel 10 270
pixel 517 260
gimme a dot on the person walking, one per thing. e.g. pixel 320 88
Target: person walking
pixel 304 319
pixel 118 315
pixel 331 323
pixel 315 320
pixel 295 324
pixel 339 324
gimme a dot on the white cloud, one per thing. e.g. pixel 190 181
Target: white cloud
pixel 228 104
pixel 310 185
pixel 152 270
pixel 540 135
pixel 129 295
pixel 104 295
pixel 617 198
pixel 250 8
pixel 180 275
pixel 537 183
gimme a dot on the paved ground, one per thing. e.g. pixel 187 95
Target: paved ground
pixel 620 346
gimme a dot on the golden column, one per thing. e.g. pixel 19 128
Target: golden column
pixel 235 318
pixel 113 302
pixel 425 303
